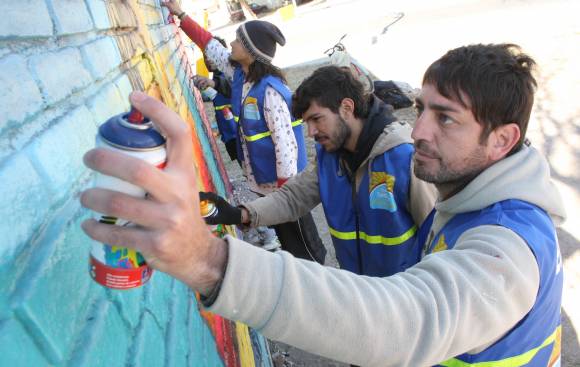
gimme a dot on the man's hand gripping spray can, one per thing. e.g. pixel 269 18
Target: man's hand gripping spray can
pixel 128 133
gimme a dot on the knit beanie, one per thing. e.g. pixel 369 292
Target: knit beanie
pixel 259 39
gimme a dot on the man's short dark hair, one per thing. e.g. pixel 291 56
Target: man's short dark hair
pixel 497 80
pixel 328 86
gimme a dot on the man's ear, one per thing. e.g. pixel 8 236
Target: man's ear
pixel 502 139
pixel 346 109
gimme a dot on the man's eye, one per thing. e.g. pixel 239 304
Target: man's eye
pixel 419 109
pixel 444 119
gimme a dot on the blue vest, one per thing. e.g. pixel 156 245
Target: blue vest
pixel 535 340
pixel 224 118
pixel 372 231
pixel 254 129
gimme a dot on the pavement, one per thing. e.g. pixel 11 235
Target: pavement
pixel 546 29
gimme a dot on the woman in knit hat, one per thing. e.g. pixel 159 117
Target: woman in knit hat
pixel 271 142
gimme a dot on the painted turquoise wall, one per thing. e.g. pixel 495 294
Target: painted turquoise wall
pixel 61 75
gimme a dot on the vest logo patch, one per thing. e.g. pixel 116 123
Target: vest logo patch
pixel 441 244
pixel 251 100
pixel 228 115
pixel 251 111
pixel 555 356
pixel 381 192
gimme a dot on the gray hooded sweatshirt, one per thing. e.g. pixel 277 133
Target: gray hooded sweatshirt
pixel 451 302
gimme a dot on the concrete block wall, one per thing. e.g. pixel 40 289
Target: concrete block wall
pixel 65 67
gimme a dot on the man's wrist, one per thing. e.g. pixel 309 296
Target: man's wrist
pixel 216 263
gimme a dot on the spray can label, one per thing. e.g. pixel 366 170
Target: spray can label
pixel 208 209
pixel 228 115
pixel 209 93
pixel 129 133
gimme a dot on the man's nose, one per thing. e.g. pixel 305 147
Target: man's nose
pixel 311 129
pixel 422 130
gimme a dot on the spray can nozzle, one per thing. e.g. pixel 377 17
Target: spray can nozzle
pixel 135 117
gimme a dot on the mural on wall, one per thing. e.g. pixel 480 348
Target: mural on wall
pixel 65 68
pixel 237 344
pixel 166 74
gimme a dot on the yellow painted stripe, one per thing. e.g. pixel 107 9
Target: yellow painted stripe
pixel 268 133
pixel 375 240
pixel 245 350
pixel 219 108
pixel 515 361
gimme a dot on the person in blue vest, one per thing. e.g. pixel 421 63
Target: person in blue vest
pixel 363 176
pixel 221 98
pixel 271 144
pixel 488 289
pixel 218 90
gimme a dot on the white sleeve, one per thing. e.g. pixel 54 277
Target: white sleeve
pixel 279 123
pixel 220 56
pixel 452 302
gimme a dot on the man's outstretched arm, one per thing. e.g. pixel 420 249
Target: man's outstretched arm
pixel 297 197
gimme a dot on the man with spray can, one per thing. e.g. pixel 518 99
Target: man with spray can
pixel 271 142
pixel 488 290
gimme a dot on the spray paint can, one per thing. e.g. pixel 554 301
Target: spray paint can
pixel 128 133
pixel 209 93
pixel 208 210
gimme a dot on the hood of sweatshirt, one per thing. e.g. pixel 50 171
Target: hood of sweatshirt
pixel 524 175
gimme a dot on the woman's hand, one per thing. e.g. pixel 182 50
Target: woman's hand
pixel 173 7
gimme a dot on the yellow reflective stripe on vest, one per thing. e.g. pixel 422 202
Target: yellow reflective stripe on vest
pixel 375 240
pixel 515 361
pixel 219 108
pixel 236 118
pixel 267 133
